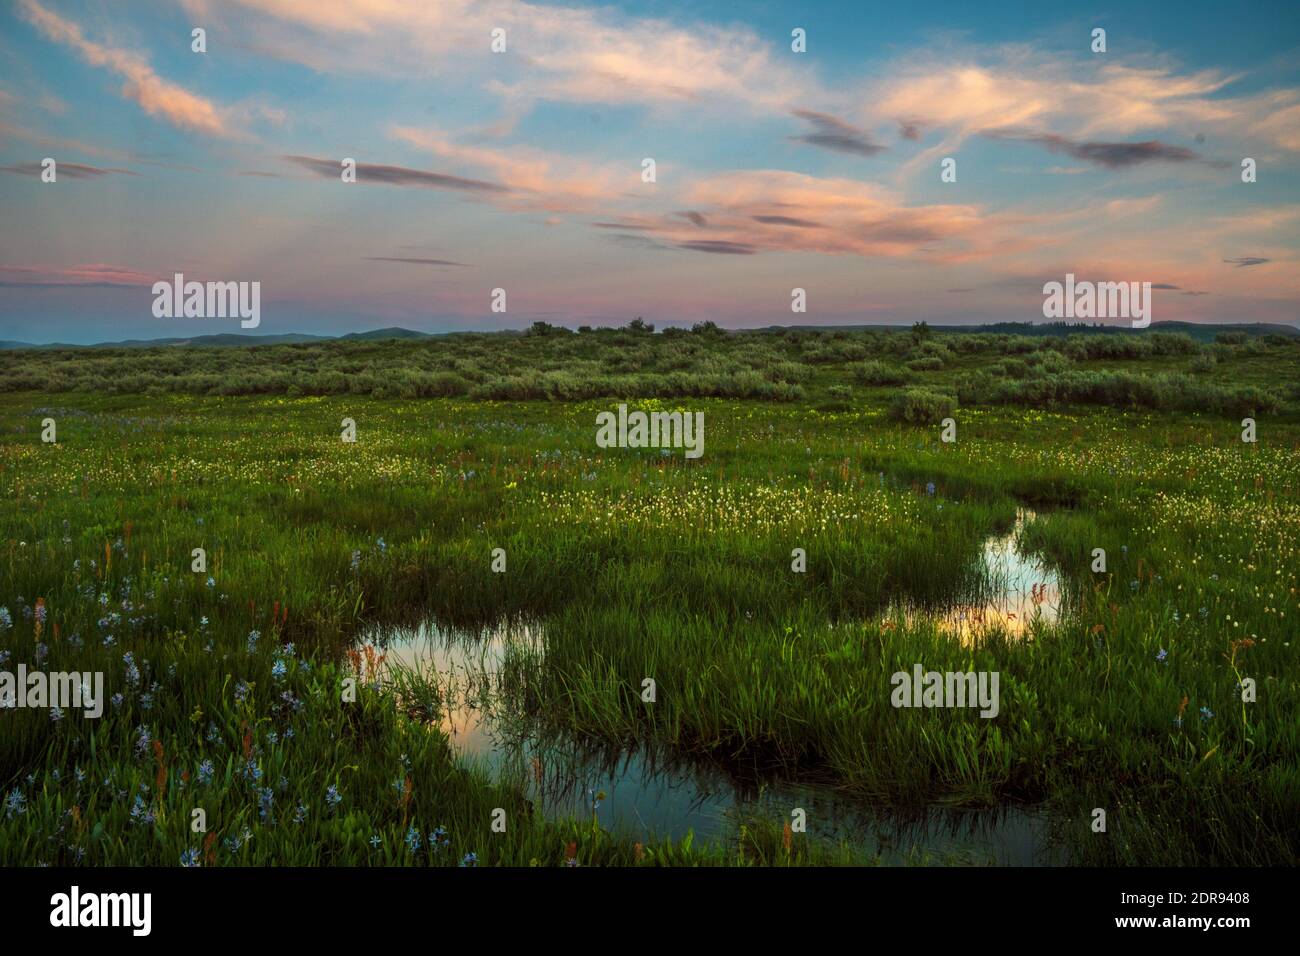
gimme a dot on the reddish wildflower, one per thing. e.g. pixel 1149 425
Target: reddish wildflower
pixel 160 781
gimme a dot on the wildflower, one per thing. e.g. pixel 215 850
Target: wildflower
pixel 140 813
pixel 278 670
pixel 356 560
pixel 1206 714
pixel 469 859
pixel 241 691
pixel 142 741
pixel 413 840
pixel 376 840
pixel 929 489
pixel 42 652
pixel 4 657
pixel 132 672
pixel 6 619
pixel 379 543
pixel 206 771
pixel 56 714
pixel 1162 655
pixel 190 858
pixel 253 638
pixel 265 797
pixel 212 582
pixel 15 803
pixel 332 797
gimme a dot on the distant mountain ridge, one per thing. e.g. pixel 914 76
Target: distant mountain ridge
pixel 1204 332
pixel 234 339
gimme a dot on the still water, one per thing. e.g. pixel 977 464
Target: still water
pixel 646 795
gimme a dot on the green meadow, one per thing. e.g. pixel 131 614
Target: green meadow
pixel 1164 692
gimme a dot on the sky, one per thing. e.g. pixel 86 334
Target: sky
pixel 524 169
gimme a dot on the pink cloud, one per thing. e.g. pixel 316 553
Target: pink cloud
pixel 155 95
pixel 97 274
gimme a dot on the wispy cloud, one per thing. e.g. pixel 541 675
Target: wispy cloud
pixel 70 170
pixel 78 276
pixel 787 221
pixel 834 134
pixel 413 261
pixel 718 246
pixel 800 213
pixel 155 95
pixel 1242 261
pixel 536 179
pixel 1109 155
pixel 393 175
pixel 573 53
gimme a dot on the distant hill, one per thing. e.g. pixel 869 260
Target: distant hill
pixel 224 339
pixel 379 334
pixel 1203 332
pixel 1200 332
